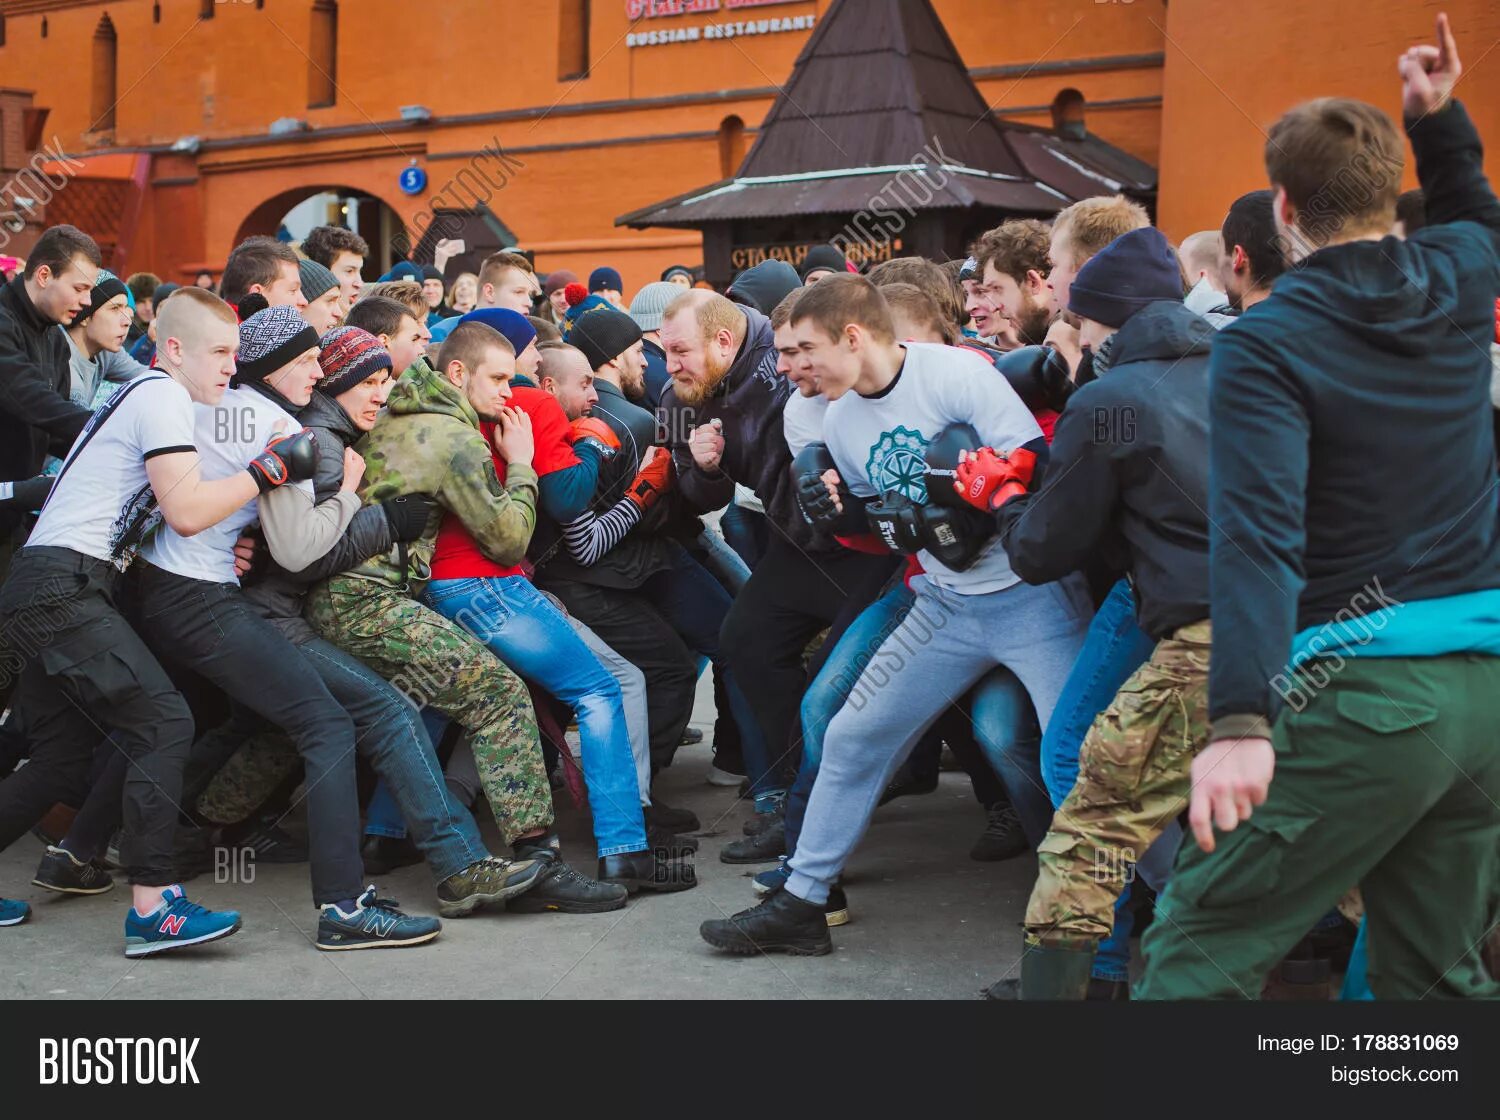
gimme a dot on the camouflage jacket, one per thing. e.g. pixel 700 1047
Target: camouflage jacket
pixel 428 442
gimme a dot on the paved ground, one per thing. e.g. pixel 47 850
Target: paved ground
pixel 928 923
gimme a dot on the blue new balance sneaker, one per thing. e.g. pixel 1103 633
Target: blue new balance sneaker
pixel 772 880
pixel 374 923
pixel 13 913
pixel 175 924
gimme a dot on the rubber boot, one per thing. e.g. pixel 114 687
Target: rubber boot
pixel 1056 973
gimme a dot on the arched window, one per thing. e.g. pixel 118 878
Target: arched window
pixel 1068 109
pixel 102 112
pixel 731 146
pixel 322 55
pixel 572 40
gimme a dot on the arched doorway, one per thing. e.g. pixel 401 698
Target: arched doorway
pixel 292 213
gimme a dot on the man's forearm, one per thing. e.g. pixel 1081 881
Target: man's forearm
pixel 1450 167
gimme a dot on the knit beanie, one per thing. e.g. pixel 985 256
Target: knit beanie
pixel 349 356
pixel 402 270
pixel 651 303
pixel 605 279
pixel 676 270
pixel 316 280
pixel 161 293
pixel 516 328
pixel 604 334
pixel 270 339
pixel 431 272
pixel 821 257
pixel 560 278
pixel 105 289
pixel 1133 270
pixel 580 303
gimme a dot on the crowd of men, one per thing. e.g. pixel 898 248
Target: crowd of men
pixel 1189 554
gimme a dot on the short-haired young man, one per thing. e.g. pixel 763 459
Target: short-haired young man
pixel 1081 230
pixel 1011 263
pixel 507 280
pixel 325 302
pixel 263 265
pixel 342 252
pixel 1353 474
pixel 401 334
pixel 408 293
pixel 891 403
pixel 142 287
pixel 1252 250
pixel 135 467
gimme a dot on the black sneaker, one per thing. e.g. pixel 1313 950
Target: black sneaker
pixel 384 854
pixel 690 736
pixel 835 910
pixel 375 923
pixel 766 846
pixel 486 881
pixel 1002 837
pixel 904 785
pixel 664 818
pixel 648 871
pixel 273 844
pixel 561 890
pixel 60 872
pixel 783 923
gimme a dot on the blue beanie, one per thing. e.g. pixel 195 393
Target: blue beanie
pixel 1133 270
pixel 402 270
pixel 583 307
pixel 605 279
pixel 516 328
pixel 443 328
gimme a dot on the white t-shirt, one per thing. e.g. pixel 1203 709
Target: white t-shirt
pixel 802 420
pixel 880 443
pixel 103 501
pixel 229 435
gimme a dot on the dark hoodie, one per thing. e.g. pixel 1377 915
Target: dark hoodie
pixel 765 285
pixel 1352 440
pixel 1129 456
pixel 749 402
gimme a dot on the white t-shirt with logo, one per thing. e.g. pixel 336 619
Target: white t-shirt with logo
pixel 229 435
pixel 103 503
pixel 880 443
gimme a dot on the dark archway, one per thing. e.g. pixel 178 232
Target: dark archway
pixel 368 215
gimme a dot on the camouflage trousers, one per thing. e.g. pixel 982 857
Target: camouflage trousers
pixel 1134 773
pixel 435 664
pixel 252 773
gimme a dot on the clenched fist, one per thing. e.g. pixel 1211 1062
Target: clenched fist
pixel 707 444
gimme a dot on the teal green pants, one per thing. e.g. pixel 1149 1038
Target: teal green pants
pixel 1388 778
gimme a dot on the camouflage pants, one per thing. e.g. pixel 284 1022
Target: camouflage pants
pixel 1134 771
pixel 252 773
pixel 434 663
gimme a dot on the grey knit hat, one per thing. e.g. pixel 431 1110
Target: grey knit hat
pixel 651 301
pixel 316 280
pixel 270 339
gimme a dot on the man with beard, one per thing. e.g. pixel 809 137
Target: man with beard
pixel 1011 273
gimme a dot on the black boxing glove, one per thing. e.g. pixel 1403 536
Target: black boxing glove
pixel 813 499
pixel 954 536
pixel 894 519
pixel 409 515
pixel 285 459
pixel 1039 375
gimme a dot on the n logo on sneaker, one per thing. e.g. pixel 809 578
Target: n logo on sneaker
pixel 380 925
pixel 172 924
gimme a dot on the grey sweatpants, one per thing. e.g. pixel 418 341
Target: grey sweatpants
pixel 945 644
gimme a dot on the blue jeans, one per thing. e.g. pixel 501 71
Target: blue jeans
pixel 1115 648
pixel 383 816
pixel 1006 730
pixel 745 531
pixel 694 604
pixel 523 629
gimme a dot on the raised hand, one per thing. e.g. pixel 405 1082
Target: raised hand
pixel 1429 73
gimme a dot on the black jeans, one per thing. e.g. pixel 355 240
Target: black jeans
pixel 86 673
pixel 629 624
pixel 791 596
pixel 211 627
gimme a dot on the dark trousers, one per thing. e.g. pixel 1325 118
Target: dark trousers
pixel 633 627
pixel 790 597
pixel 86 674
pixel 211 627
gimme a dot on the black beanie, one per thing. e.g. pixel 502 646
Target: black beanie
pixel 430 272
pixel 603 335
pixel 1133 270
pixel 103 292
pixel 821 257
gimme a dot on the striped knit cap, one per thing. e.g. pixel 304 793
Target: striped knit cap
pixel 350 355
pixel 270 339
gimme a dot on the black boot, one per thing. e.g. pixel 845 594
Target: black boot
pixel 671 843
pixel 1049 973
pixel 766 846
pixel 383 854
pixel 1002 837
pixel 665 818
pixel 647 871
pixel 783 923
pixel 561 890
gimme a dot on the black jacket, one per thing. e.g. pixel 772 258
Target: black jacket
pixel 1352 435
pixel 1130 457
pixel 36 416
pixel 749 401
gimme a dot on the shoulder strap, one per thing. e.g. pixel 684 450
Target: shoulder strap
pixel 92 427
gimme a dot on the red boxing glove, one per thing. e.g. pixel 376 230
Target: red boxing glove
pixel 988 479
pixel 653 480
pixel 590 429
